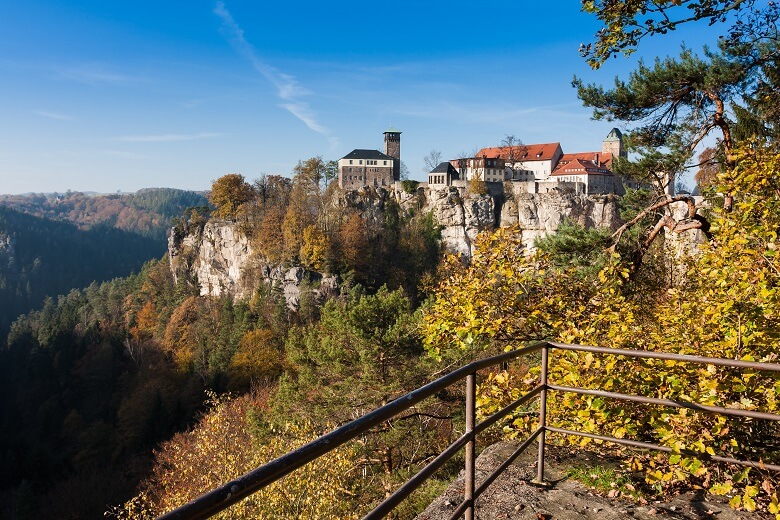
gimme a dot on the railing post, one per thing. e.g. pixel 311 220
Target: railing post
pixel 542 417
pixel 468 486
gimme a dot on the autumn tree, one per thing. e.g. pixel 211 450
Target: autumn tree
pixel 355 246
pixel 727 308
pixel 709 168
pixel 306 204
pixel 259 358
pixel 229 193
pixel 227 443
pixel 477 186
pixel 316 251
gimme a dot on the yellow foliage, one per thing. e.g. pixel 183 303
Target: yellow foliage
pixel 229 193
pixel 315 250
pixel 729 307
pixel 256 357
pixel 224 446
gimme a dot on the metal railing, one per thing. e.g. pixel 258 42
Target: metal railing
pixel 232 492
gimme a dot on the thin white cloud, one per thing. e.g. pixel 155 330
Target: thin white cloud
pixel 478 113
pixel 121 154
pixel 288 88
pixel 93 74
pixel 53 115
pixel 166 138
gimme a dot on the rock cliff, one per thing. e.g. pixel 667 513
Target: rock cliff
pixel 218 258
pixel 539 214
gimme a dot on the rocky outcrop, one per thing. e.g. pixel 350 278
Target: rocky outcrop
pixel 219 260
pixel 539 214
pixel 513 494
pixel 461 215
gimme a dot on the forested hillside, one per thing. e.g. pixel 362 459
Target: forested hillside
pixel 50 244
pixel 96 378
pixel 42 258
pixel 148 212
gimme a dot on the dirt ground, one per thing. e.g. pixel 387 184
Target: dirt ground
pixel 513 496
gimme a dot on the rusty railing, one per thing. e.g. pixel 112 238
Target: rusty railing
pixel 238 489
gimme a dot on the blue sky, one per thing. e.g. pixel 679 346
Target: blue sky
pixel 107 96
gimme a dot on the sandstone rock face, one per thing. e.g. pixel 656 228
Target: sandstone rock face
pixel 462 216
pixel 223 254
pixel 678 246
pixel 539 214
pixel 219 258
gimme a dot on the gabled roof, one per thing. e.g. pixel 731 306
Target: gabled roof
pixel 577 166
pixel 522 152
pixel 601 159
pixel 367 154
pixel 445 167
pixel 614 135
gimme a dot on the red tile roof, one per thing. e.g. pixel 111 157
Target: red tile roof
pixel 602 159
pixel 572 164
pixel 523 152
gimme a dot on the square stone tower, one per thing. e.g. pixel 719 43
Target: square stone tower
pixel 393 149
pixel 613 144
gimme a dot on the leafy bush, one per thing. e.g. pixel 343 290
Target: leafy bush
pixel 409 186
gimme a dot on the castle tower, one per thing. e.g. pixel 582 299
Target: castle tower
pixel 613 144
pixel 393 149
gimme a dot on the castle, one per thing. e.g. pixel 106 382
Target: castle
pixel 371 167
pixel 538 168
pixel 542 167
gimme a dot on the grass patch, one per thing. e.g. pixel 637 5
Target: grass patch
pixel 605 479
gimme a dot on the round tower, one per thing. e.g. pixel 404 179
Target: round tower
pixel 393 149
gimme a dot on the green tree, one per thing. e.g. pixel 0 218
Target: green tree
pixel 362 354
pixel 229 193
pixel 675 103
pixel 625 24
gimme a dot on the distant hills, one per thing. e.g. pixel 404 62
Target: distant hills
pixel 53 243
pixel 147 212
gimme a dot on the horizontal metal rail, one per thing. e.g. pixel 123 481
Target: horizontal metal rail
pixel 666 449
pixel 668 356
pixel 238 489
pixel 738 412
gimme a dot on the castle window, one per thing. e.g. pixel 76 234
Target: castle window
pixel 350 161
pixel 360 161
